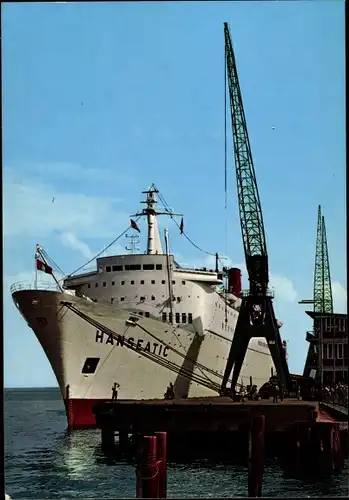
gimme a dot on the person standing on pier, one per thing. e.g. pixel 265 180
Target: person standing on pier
pixel 276 393
pixel 298 392
pixel 114 392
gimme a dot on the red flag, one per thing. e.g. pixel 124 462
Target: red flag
pixel 181 227
pixel 41 266
pixel 134 226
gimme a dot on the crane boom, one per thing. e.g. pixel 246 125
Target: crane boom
pixel 250 210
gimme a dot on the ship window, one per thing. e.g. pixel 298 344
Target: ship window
pixel 90 365
pixel 108 269
pixel 132 267
pixel 183 282
pixel 170 317
pixel 142 299
pixel 104 283
pixel 190 318
pixel 152 297
pixel 164 316
pixel 132 282
pixel 153 282
pixel 112 300
pixel 173 282
pixel 96 285
pixel 122 299
pixel 117 268
pixel 146 314
pixel 122 282
pixel 163 282
pixel 89 286
pixel 142 282
pixel 158 267
pixel 112 283
pixel 141 313
pixel 148 267
pixel 184 317
pixel 177 318
pixel 42 321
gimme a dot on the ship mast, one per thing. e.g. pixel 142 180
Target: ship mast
pixel 154 246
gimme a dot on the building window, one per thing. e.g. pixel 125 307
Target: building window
pixel 184 317
pixel 164 317
pixel 190 318
pixel 108 269
pixel 178 318
pixel 122 299
pixel 158 267
pixel 148 267
pixel 89 285
pixel 104 283
pixel 112 283
pixel 153 282
pixel 90 365
pixel 345 349
pixel 163 282
pixel 96 285
pixel 132 282
pixel 328 351
pixel 146 314
pixel 339 351
pixel 117 268
pixel 122 282
pixel 142 282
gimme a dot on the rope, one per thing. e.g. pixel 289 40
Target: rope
pixel 183 232
pixel 100 253
pixel 154 357
pixel 145 466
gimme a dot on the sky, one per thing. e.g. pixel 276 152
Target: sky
pixel 102 99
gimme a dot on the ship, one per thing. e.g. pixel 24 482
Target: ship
pixel 139 324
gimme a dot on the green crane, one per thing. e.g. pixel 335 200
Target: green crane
pixel 322 298
pixel 256 317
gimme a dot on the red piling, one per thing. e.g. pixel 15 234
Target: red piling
pixel 161 439
pixel 256 456
pixel 147 474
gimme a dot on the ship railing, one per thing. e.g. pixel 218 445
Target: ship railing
pixel 27 285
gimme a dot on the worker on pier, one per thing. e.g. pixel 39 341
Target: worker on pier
pixel 170 393
pixel 275 393
pixel 298 392
pixel 114 392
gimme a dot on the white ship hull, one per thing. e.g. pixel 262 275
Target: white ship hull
pixel 68 341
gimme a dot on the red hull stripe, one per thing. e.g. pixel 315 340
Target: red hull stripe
pixel 79 413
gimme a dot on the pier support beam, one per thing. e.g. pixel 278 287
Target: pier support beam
pixel 256 456
pixel 108 439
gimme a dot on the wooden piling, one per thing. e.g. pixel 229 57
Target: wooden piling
pixel 108 439
pixel 256 456
pixel 123 441
pixel 149 475
pixel 161 439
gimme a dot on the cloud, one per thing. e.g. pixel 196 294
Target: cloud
pixel 283 287
pixel 28 210
pixel 71 241
pixel 339 297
